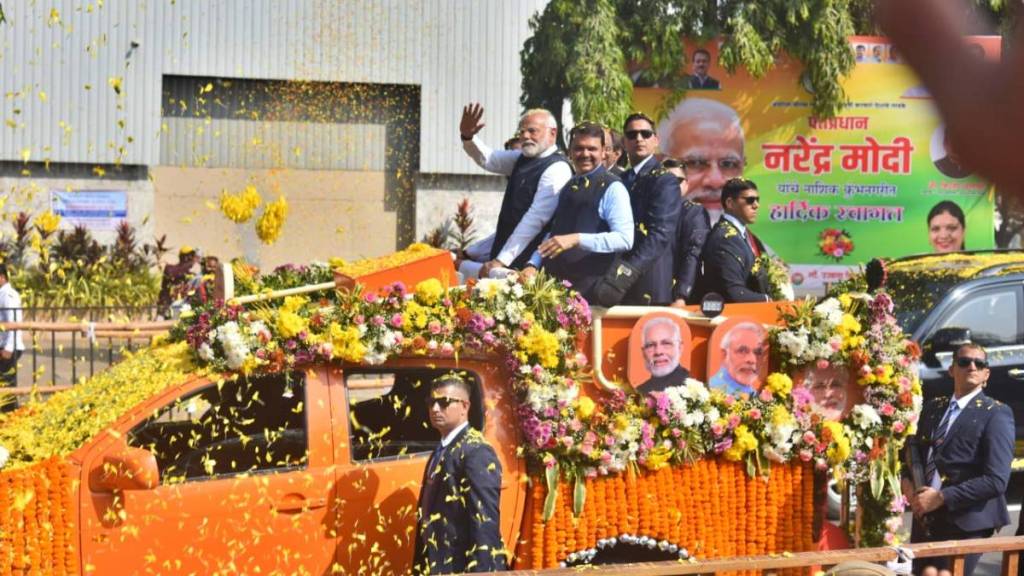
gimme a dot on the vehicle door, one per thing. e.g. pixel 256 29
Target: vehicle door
pixel 245 469
pixel 383 441
pixel 994 317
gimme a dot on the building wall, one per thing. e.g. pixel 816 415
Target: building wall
pixel 150 89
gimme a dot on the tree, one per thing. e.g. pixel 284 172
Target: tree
pixel 584 50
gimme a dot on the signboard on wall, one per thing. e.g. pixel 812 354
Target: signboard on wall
pixel 94 209
pixel 834 192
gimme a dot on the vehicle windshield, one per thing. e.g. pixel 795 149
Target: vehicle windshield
pixel 918 284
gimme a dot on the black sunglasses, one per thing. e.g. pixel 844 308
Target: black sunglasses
pixel 750 200
pixel 964 362
pixel 632 134
pixel 444 401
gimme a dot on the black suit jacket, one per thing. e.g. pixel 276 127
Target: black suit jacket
pixel 973 460
pixel 709 83
pixel 655 199
pixel 459 528
pixel 691 234
pixel 728 266
pixel 676 377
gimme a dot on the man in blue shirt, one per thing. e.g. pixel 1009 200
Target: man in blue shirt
pixel 744 352
pixel 593 221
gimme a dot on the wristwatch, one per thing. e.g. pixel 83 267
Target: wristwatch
pixel 464 139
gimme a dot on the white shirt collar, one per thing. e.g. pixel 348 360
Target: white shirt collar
pixel 735 222
pixel 962 402
pixel 636 169
pixel 451 435
pixel 548 152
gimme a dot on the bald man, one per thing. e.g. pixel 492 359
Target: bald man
pixel 707 138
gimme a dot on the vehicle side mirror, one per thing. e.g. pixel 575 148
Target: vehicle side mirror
pixel 947 340
pixel 125 469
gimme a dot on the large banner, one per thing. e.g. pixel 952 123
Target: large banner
pixel 879 180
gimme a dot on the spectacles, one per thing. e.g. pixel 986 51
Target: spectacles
pixel 965 361
pixel 703 164
pixel 750 200
pixel 632 134
pixel 744 350
pixel 648 346
pixel 444 401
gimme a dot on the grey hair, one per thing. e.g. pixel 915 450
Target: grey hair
pixel 742 327
pixel 549 118
pixel 662 321
pixel 691 108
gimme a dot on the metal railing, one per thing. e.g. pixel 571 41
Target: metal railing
pixel 64 344
pixel 1010 546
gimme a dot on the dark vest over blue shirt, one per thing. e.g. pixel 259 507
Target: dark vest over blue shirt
pixel 519 194
pixel 578 211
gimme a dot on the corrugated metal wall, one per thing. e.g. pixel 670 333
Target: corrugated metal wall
pixel 456 50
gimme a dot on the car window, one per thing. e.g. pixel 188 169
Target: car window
pixel 993 316
pixel 388 411
pixel 241 426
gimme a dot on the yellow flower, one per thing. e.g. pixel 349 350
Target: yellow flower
pixel 289 324
pixel 658 458
pixel 240 207
pixel 779 384
pixel 346 343
pixel 839 450
pixel 268 227
pixel 429 291
pixel 850 326
pixel 781 416
pixel 621 422
pixel 845 300
pixel 542 345
pixel 336 262
pixel 294 303
pixel 47 222
pixel 585 408
pixel 744 441
pixel 415 316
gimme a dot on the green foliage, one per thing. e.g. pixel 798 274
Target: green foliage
pixel 580 49
pixel 70 269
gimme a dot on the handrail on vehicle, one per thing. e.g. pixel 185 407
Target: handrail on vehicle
pixel 1010 546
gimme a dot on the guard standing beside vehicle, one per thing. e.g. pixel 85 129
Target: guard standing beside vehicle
pixel 11 344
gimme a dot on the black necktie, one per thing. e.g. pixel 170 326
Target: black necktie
pixel 435 460
pixel 938 437
pixel 628 178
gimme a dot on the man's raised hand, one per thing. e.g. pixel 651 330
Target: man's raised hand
pixel 470 123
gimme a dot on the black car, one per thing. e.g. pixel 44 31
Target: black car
pixel 942 300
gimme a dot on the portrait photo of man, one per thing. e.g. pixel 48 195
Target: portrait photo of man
pixel 707 139
pixel 699 78
pixel 744 360
pixel 829 386
pixel 662 342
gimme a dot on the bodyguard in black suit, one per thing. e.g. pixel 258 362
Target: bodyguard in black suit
pixel 655 200
pixel 691 232
pixel 731 249
pixel 459 524
pixel 960 461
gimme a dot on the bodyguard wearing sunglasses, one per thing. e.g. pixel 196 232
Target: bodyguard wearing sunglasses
pixel 458 528
pixel 966 445
pixel 644 274
pixel 732 249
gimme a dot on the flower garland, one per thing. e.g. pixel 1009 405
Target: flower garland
pixel 860 334
pixel 536 324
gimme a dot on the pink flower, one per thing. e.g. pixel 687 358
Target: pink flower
pixel 377 320
pixel 754 413
pixel 765 395
pixel 359 319
pixel 734 421
pixel 370 297
pixel 396 320
pixel 887 409
pixel 806 455
pixel 447 348
pixel 898 427
pixel 717 429
pixel 809 437
pixel 823 364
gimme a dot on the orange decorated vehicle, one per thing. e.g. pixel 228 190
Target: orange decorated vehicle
pixel 289 435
